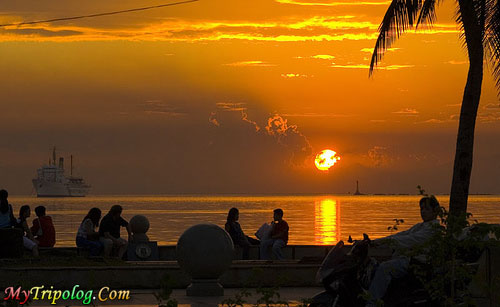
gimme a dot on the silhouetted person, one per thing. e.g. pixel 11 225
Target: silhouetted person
pixel 87 235
pixel 278 237
pixel 28 241
pixel 397 267
pixel 109 232
pixel 234 229
pixel 43 228
pixel 7 218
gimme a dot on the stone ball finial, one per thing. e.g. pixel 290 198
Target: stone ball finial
pixel 139 225
pixel 204 251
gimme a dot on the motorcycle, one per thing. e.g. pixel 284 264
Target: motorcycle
pixel 345 274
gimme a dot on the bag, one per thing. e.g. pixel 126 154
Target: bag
pixel 264 231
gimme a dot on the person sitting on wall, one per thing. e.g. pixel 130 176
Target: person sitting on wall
pixel 29 241
pixel 7 219
pixel 43 228
pixel 398 266
pixel 278 237
pixel 234 229
pixel 87 236
pixel 109 232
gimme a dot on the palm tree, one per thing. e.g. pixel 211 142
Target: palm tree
pixel 479 21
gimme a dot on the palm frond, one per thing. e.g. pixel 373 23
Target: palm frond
pixel 471 16
pixel 400 16
pixel 427 12
pixel 492 40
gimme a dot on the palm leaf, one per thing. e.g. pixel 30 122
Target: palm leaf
pixel 400 16
pixel 492 39
pixel 471 16
pixel 427 12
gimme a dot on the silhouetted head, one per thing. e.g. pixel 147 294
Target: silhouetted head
pixel 429 208
pixel 233 215
pixel 4 204
pixel 24 212
pixel 278 214
pixel 40 211
pixel 115 211
pixel 94 215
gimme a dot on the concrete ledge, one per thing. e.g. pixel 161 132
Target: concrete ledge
pixel 147 275
pixel 168 253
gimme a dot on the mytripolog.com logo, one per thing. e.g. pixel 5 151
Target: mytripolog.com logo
pixel 48 293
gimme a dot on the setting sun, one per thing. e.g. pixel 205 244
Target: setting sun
pixel 326 159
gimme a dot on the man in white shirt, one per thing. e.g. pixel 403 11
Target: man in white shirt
pixel 397 267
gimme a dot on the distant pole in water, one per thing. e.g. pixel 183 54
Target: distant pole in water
pixel 357 189
pixel 71 162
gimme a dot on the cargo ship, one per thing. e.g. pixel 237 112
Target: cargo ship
pixel 52 182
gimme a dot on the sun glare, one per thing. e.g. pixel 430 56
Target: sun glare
pixel 326 159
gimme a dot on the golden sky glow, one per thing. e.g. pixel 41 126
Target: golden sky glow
pixel 236 96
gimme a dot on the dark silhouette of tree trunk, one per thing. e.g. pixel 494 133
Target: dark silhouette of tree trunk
pixel 473 32
pixel 480 24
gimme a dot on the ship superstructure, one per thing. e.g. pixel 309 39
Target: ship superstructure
pixel 52 182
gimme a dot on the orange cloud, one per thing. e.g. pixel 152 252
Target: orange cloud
pixel 293 76
pixel 213 119
pixel 250 63
pixel 323 57
pixel 316 28
pixel 231 106
pixel 406 111
pixel 365 66
pixel 341 3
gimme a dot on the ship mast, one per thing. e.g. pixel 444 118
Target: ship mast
pixel 54 156
pixel 71 162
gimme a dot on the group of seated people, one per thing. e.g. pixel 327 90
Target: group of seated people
pixel 273 235
pixel 98 235
pixel 93 234
pixel 40 234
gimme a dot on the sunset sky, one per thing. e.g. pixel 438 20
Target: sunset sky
pixel 237 96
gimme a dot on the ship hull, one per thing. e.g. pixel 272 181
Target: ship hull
pixel 46 188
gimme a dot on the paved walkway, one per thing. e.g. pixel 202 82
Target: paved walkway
pixel 145 298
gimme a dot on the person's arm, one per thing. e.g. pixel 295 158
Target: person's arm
pixel 34 228
pixel 387 240
pixel 125 224
pixel 28 232
pixel 129 232
pixel 411 239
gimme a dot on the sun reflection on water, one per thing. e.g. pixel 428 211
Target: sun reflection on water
pixel 326 222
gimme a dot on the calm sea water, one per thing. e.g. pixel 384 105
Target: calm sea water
pixel 315 220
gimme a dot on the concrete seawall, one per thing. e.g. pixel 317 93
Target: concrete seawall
pixel 299 271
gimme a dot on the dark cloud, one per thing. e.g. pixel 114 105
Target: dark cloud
pixel 284 142
pixel 162 108
pixel 290 137
pixel 381 156
pixel 41 32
